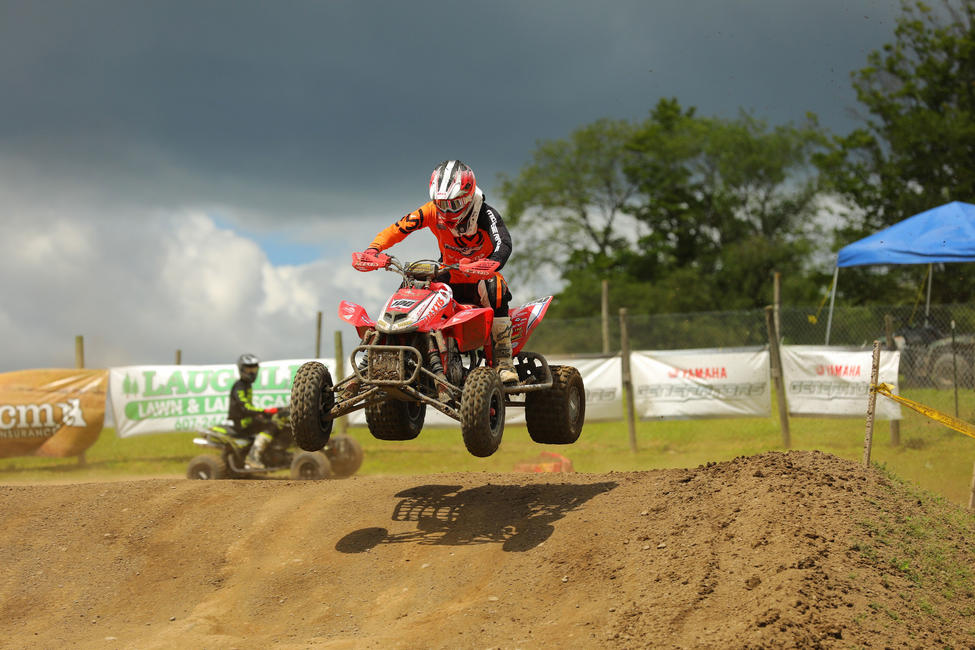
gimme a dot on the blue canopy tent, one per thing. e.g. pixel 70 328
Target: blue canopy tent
pixel 942 234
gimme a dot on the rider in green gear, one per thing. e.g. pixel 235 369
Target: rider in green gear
pixel 249 419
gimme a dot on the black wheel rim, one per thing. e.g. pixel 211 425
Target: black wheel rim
pixel 413 410
pixel 573 406
pixel 323 406
pixel 495 412
pixel 307 470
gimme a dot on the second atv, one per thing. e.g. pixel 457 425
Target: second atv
pixel 341 457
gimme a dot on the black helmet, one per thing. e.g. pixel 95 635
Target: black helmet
pixel 247 365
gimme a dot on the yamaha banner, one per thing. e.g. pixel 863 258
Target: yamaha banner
pixel 701 383
pixel 835 382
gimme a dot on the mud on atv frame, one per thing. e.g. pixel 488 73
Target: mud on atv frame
pixel 386 374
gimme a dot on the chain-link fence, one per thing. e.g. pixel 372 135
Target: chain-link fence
pixel 933 352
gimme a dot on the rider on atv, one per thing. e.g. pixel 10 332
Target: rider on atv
pixel 248 418
pixel 468 231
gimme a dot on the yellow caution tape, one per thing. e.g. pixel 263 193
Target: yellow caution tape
pixel 951 422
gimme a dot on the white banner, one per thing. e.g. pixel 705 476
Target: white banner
pixel 701 383
pixel 163 399
pixel 835 382
pixel 604 389
pixel 601 378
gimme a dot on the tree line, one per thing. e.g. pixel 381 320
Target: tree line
pixel 687 213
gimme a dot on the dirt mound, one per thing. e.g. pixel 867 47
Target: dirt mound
pixel 776 550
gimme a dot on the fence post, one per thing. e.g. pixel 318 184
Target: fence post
pixel 871 403
pixel 971 497
pixel 954 365
pixel 605 312
pixel 777 303
pixel 777 377
pixel 79 351
pixel 895 425
pixel 627 380
pixel 79 362
pixel 342 424
pixel 318 337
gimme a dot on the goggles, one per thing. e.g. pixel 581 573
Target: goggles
pixel 453 205
pixel 249 372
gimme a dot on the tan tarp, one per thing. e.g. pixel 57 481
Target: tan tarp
pixel 51 412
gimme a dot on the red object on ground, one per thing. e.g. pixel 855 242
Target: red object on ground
pixel 547 461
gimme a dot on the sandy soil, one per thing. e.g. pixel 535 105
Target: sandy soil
pixel 776 550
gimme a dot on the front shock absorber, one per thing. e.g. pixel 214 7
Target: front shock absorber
pixel 433 358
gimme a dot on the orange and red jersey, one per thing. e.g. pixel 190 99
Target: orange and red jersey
pixel 489 240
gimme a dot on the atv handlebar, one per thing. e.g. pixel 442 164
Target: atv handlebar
pixel 422 269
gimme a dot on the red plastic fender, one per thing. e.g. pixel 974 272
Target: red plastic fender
pixel 470 327
pixel 355 315
pixel 524 319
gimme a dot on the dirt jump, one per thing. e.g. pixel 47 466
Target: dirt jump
pixel 797 549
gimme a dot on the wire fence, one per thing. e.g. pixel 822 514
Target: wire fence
pixel 937 344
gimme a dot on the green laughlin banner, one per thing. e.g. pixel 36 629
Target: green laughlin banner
pixel 164 399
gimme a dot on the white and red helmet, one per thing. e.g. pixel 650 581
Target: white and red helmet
pixel 452 190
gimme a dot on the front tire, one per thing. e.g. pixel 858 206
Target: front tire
pixel 555 416
pixel 482 411
pixel 345 454
pixel 206 468
pixel 396 419
pixel 310 466
pixel 311 400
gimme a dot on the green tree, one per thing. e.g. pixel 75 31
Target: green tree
pixel 568 201
pixel 680 213
pixel 725 203
pixel 916 146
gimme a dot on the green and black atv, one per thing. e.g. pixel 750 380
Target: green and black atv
pixel 340 458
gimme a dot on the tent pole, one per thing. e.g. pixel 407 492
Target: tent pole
pixel 927 305
pixel 832 297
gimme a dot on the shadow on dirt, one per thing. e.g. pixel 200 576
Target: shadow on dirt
pixel 520 517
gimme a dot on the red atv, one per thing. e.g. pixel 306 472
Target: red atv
pixel 426 349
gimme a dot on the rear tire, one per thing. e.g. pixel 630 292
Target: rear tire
pixel 482 411
pixel 345 454
pixel 206 468
pixel 310 466
pixel 311 400
pixel 943 371
pixel 555 416
pixel 395 419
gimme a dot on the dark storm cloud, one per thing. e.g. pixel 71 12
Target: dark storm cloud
pixel 356 100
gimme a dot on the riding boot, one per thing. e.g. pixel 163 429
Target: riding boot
pixel 254 460
pixel 501 335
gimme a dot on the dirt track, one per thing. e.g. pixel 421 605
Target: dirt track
pixel 776 550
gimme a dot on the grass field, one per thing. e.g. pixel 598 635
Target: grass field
pixel 930 456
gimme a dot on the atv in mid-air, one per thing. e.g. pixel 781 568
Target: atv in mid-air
pixel 341 457
pixel 428 350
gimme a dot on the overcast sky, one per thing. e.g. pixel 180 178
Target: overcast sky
pixel 194 175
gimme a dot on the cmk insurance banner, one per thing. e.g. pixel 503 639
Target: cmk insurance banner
pixel 835 382
pixel 163 399
pixel 51 412
pixel 701 383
